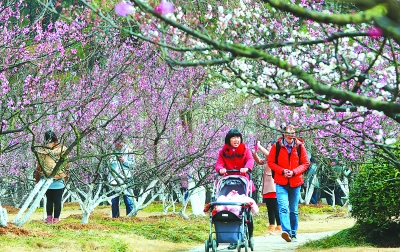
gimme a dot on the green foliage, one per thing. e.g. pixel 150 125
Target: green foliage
pixel 359 235
pixel 351 237
pixel 374 196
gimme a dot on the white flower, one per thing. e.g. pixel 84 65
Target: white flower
pixel 295 116
pixel 386 93
pixel 257 101
pixel 226 85
pixel 324 105
pixel 261 81
pixel 390 141
pixel 361 109
pixel 378 113
pixel 272 123
pixel 370 55
pixel 361 57
pixel 179 16
pixel 379 84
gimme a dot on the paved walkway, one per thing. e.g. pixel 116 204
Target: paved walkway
pixel 273 243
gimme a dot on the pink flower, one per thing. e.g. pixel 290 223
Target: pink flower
pixel 123 9
pixel 375 33
pixel 164 8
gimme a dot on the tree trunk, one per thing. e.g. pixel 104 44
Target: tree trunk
pixel 3 217
pixel 39 191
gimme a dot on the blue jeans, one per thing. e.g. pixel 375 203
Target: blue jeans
pixel 115 206
pixel 314 198
pixel 288 204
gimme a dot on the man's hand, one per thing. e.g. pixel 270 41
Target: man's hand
pixel 222 171
pixel 244 170
pixel 288 173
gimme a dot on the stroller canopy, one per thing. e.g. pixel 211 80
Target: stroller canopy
pixel 234 182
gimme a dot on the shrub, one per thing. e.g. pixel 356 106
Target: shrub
pixel 374 198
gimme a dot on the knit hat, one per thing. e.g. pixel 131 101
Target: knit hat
pixel 232 133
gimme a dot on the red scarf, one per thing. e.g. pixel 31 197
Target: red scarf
pixel 234 157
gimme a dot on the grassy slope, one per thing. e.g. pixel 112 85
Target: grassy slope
pixel 150 231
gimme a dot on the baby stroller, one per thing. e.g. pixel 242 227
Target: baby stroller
pixel 230 226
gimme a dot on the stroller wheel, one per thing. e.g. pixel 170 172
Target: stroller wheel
pixel 207 246
pixel 246 246
pixel 243 244
pixel 251 243
pixel 214 245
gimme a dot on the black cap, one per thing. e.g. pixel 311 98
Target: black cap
pixel 232 133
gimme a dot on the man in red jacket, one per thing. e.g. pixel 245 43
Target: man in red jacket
pixel 288 169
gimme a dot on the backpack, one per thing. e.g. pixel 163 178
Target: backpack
pixel 278 148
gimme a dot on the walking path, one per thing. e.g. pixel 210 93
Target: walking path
pixel 273 243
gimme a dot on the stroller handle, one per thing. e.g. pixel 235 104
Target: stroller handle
pixel 230 203
pixel 232 171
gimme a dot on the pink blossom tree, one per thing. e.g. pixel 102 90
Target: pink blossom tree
pixel 333 58
pixel 88 88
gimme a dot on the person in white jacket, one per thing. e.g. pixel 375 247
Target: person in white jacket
pixel 121 163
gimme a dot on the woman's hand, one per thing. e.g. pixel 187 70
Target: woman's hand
pixel 222 171
pixel 244 170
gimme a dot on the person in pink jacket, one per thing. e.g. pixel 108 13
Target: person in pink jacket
pixel 235 155
pixel 268 189
pixel 288 169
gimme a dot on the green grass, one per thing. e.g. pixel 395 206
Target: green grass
pixel 344 238
pixel 103 233
pixel 320 209
pixel 175 228
pixel 357 236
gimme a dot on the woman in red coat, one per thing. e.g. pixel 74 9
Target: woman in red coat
pixel 235 155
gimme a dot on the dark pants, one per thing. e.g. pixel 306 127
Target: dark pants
pixel 115 206
pixel 273 212
pixel 250 225
pixel 338 197
pixel 54 199
pixel 315 196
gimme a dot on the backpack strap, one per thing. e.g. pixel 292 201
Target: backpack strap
pixel 278 148
pixel 299 152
